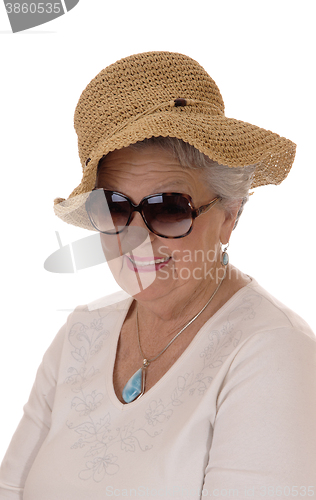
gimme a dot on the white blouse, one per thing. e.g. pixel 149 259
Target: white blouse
pixel 235 416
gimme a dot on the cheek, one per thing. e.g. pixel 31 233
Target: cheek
pixel 192 251
pixel 133 237
pixel 206 233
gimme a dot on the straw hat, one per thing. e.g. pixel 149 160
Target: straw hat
pixel 165 94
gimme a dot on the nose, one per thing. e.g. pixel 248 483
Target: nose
pixel 135 234
pixel 138 221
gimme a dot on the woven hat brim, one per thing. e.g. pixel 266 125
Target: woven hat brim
pixel 228 141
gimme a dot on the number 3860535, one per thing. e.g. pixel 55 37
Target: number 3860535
pixel 33 8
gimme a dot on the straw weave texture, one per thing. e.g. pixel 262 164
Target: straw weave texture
pixel 134 99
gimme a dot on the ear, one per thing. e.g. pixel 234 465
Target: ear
pixel 229 223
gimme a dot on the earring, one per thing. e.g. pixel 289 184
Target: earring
pixel 225 257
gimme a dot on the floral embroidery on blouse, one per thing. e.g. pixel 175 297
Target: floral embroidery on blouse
pixel 218 347
pixel 96 435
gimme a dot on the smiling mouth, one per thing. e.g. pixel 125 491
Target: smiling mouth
pixel 137 263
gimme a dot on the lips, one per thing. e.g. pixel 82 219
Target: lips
pixel 146 264
pixel 147 261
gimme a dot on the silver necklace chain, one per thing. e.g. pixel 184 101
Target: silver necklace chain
pixel 146 361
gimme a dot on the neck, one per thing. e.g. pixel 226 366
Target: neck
pixel 172 311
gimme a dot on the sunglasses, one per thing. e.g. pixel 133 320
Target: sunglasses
pixel 169 215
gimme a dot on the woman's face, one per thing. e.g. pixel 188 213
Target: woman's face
pixel 194 260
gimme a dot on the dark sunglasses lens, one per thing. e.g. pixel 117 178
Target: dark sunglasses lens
pixel 168 214
pixel 109 212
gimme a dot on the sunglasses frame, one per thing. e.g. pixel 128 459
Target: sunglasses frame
pixel 195 212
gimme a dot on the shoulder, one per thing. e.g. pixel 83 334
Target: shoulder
pixel 274 338
pixel 110 307
pixel 115 301
pixel 266 313
pixel 96 315
pixel 274 345
pixel 257 330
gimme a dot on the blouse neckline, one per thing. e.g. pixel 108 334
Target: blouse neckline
pixel 114 344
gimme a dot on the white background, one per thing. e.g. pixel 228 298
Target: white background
pixel 261 55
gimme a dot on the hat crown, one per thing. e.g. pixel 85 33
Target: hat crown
pixel 134 84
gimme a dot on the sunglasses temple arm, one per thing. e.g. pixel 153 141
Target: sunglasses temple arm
pixel 206 208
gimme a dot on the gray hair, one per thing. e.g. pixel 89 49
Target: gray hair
pixel 231 184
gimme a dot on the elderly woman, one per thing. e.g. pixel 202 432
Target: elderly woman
pixel 193 381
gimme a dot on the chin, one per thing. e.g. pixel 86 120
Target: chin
pixel 133 283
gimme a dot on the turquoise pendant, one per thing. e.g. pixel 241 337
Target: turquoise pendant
pixel 225 258
pixel 135 387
